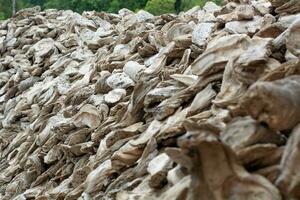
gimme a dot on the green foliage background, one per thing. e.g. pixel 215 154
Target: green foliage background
pixel 154 6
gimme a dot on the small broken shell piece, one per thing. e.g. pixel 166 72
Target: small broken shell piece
pixel 178 30
pixel 88 116
pixel 185 79
pixel 119 81
pixel 266 97
pixel 178 190
pixel 230 181
pixel 98 178
pixel 159 94
pixel 202 100
pixel 53 155
pixel 288 180
pixel 42 49
pixel 288 6
pixel 101 85
pixel 259 156
pixel 240 13
pixel 217 54
pixel 162 162
pixel 175 175
pixel 242 132
pixel 236 78
pixel 293 37
pixel 132 69
pixel 249 27
pixel 211 7
pixel 202 32
pixel 114 96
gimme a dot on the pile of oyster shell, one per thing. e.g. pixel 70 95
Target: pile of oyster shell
pixel 201 105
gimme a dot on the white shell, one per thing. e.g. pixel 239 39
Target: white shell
pixel 159 163
pixel 119 80
pixel 114 96
pixel 132 69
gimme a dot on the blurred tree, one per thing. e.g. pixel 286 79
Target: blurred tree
pixel 37 2
pixel 132 4
pixel 167 6
pixel 5 9
pixel 98 5
pixel 178 6
pixel 158 7
pixel 14 7
pixel 114 6
pixel 154 6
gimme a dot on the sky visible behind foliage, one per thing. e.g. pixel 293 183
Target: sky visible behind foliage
pixel 154 6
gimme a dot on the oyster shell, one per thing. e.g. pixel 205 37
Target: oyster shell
pixel 204 104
